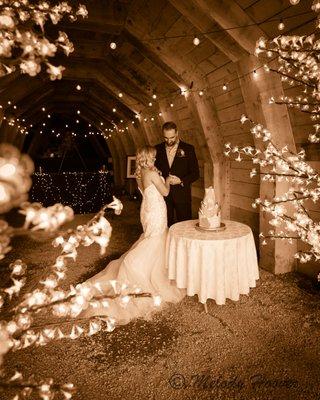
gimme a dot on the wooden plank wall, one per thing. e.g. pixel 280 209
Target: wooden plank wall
pixel 230 106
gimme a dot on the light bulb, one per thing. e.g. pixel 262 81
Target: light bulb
pixel 120 94
pixel 281 26
pixel 196 41
pixel 150 104
pixel 114 110
pixel 78 87
pixel 294 2
pixel 154 96
pixel 224 87
pixel 113 45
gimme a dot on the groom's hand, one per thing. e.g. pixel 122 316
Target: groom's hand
pixel 175 180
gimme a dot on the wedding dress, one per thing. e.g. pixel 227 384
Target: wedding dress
pixel 142 266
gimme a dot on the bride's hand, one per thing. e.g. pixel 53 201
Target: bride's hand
pixel 168 180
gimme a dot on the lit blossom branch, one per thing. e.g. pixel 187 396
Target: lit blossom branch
pixel 22 37
pixel 45 390
pixel 298 60
pixel 19 329
pixel 283 164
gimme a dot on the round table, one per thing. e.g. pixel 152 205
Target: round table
pixel 213 265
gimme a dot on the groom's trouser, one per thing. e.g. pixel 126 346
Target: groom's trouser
pixel 182 211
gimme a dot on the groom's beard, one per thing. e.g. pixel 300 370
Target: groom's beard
pixel 171 144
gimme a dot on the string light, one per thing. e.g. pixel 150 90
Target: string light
pixel 281 25
pixel 96 186
pixel 196 41
pixel 120 95
pixel 268 21
pixel 78 87
pixel 224 87
pixel 200 92
pixel 294 2
pixel 113 45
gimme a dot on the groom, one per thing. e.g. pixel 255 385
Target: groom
pixel 177 159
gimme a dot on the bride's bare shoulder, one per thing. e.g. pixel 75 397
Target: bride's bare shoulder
pixel 148 173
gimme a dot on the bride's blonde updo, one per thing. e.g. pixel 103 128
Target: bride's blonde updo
pixel 145 158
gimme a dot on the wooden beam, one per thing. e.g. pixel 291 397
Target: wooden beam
pixel 18 89
pixel 90 73
pixel 154 59
pixel 202 21
pixel 228 14
pixel 205 109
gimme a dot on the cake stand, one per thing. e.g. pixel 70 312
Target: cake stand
pixel 220 228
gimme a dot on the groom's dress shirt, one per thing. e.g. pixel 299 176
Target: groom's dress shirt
pixel 171 152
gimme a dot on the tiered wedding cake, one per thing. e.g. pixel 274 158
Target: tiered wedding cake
pixel 209 212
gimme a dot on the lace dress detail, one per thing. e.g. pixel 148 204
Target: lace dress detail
pixel 153 212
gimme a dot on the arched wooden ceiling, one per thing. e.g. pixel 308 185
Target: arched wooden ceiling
pixel 155 54
pixel 143 63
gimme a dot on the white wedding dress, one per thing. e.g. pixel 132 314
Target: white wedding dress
pixel 143 266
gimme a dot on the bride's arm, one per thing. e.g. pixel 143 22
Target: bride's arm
pixel 163 188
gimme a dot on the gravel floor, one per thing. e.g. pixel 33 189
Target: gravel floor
pixel 265 346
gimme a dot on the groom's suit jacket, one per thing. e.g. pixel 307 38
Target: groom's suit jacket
pixel 185 166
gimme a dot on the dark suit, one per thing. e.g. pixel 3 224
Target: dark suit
pixel 185 166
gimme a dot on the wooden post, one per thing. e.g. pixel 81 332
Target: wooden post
pixel 221 167
pixel 278 255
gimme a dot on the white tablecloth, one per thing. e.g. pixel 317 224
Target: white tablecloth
pixel 213 265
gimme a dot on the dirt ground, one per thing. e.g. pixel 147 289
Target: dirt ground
pixel 265 346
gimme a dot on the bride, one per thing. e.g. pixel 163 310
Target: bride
pixel 144 264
